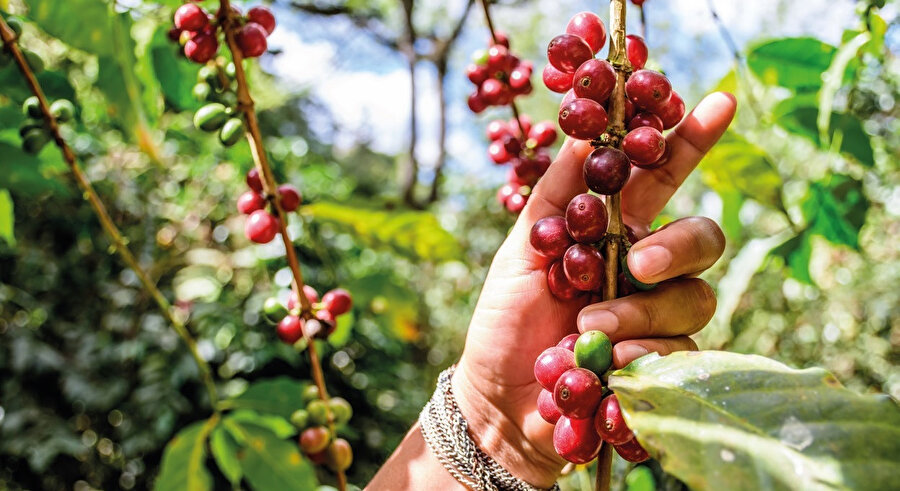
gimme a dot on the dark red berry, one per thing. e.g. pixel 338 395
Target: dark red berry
pixel 511 144
pixel 606 170
pixel 494 91
pixel 338 301
pixel 499 59
pixel 588 26
pixel 201 48
pixel 476 103
pixel 595 80
pixel 583 119
pixel 547 408
pixel 527 170
pixel 520 78
pixel 556 80
pixel 543 134
pixel 567 52
pixel 629 110
pixel 636 50
pixel 644 145
pixel 584 266
pixel 568 342
pixel 575 440
pixel 645 118
pixel 586 218
pixel 477 74
pixel 261 227
pixel 550 238
pixel 551 364
pixel 309 292
pixel 610 423
pixel 497 152
pixel 290 329
pixel 648 89
pixel 253 180
pixel 497 129
pixel 191 17
pixel 577 393
pixel 262 16
pixel 632 451
pixel 559 284
pixel 672 111
pixel 290 197
pixel 252 40
pixel 639 3
pixel 654 165
pixel 315 439
pixel 516 203
pixel 174 34
pixel 249 202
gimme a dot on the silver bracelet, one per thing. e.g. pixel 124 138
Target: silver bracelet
pixel 446 432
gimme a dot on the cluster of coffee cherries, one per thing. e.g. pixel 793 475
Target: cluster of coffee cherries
pixel 291 327
pixel 316 438
pixel 585 414
pixel 197 31
pixel 6 58
pixel 262 226
pixel 215 86
pixel 34 131
pixel 651 105
pixel 528 159
pixel 499 76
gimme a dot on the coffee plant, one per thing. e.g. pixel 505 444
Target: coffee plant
pixel 280 387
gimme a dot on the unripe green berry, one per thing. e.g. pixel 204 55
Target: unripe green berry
pixel 232 132
pixel 201 91
pixel 310 393
pixel 32 108
pixel 300 418
pixel 30 124
pixel 631 279
pixel 15 24
pixel 273 310
pixel 593 351
pixel 341 409
pixel 34 61
pixel 34 140
pixel 210 117
pixel 318 412
pixel 63 110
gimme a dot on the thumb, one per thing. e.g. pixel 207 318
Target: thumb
pixel 562 181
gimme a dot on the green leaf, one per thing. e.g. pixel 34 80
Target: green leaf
pixel 735 164
pixel 184 460
pixel 415 234
pixel 281 427
pixel 835 208
pixel 732 201
pixel 175 74
pixel 640 479
pixel 225 451
pixel 799 115
pixel 720 420
pixel 32 174
pixel 59 19
pixel 795 63
pixel 833 78
pixel 268 462
pixel 797 253
pixel 279 396
pixel 7 218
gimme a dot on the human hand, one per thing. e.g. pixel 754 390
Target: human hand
pixel 517 317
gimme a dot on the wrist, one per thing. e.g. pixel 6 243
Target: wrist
pixel 504 437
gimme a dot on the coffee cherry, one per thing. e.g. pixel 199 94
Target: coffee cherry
pixel 636 50
pixel 32 108
pixel 30 124
pixel 595 80
pixel 568 342
pixel 341 409
pixel 337 301
pixel 672 111
pixel 497 129
pixel 497 152
pixel 577 393
pixel 477 73
pixel 547 408
pixel 261 227
pixel 645 118
pixel 201 48
pixel 550 238
pixel 498 59
pixel 623 265
pixel 559 284
pixel 310 393
pixel 575 440
pixel 606 170
pixel 63 110
pixel 317 458
pixel 339 455
pixel 632 451
pixel 543 134
pixel 251 39
pixel 593 351
pixel 300 418
pixel 583 119
pixel 504 193
pixel 232 131
pixel 520 79
pixel 648 89
pixel 584 267
pixel 639 3
pixel 315 439
pixel 318 412
pixel 253 180
pixel 551 364
pixel 202 92
pixel 290 197
pixel 609 422
pixel 325 316
pixel 34 140
pixel 629 110
pixel 645 145
pixel 495 92
pixel 273 311
pixel 210 117
pixel 516 203
pixel 262 16
pixel 290 329
pixel 586 218
pixel 567 52
pixel 588 26
pixel 476 103
pixel 556 80
pixel 191 17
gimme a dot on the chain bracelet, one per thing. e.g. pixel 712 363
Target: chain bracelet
pixel 446 433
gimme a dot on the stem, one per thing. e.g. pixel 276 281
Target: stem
pixel 643 23
pixel 604 462
pixel 109 227
pixel 512 102
pixel 726 35
pixel 231 25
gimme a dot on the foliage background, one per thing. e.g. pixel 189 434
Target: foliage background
pixel 93 384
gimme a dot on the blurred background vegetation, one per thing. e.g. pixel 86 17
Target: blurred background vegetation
pixel 94 383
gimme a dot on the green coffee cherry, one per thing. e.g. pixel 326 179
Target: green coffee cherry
pixel 480 57
pixel 230 70
pixel 631 279
pixel 273 310
pixel 208 74
pixel 63 110
pixel 593 351
pixel 30 124
pixel 310 393
pixel 32 107
pixel 201 91
pixel 210 117
pixel 232 132
pixel 34 61
pixel 318 412
pixel 15 24
pixel 300 418
pixel 34 140
pixel 229 99
pixel 341 409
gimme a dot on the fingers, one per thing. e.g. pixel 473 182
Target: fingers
pixel 683 247
pixel 628 351
pixel 648 190
pixel 563 180
pixel 674 308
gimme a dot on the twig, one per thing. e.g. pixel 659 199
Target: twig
pixel 726 35
pixel 231 25
pixel 109 227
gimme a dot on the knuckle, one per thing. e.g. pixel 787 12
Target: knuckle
pixel 704 301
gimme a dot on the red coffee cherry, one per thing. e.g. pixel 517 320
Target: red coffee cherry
pixel 644 145
pixel 672 111
pixel 586 218
pixel 191 17
pixel 261 227
pixel 645 118
pixel 577 393
pixel 584 267
pixel 262 16
pixel 568 342
pixel 595 80
pixel 497 129
pixel 290 329
pixel 648 89
pixel 588 26
pixel 476 103
pixel 559 284
pixel 337 301
pixel 250 201
pixel 201 48
pixel 550 238
pixel 567 52
pixel 632 451
pixel 609 422
pixel 575 440
pixel 606 170
pixel 253 181
pixel 309 292
pixel 251 39
pixel 504 193
pixel 516 203
pixel 583 119
pixel 543 134
pixel 636 50
pixel 476 73
pixel 290 197
pixel 339 455
pixel 551 364
pixel 547 408
pixel 556 80
pixel 315 439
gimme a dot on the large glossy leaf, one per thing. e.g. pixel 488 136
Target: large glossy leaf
pixel 268 462
pixel 279 396
pixel 224 450
pixel 184 460
pixel 720 420
pixel 7 219
pixel 799 115
pixel 416 234
pixel 59 19
pixel 835 208
pixel 795 63
pixel 735 164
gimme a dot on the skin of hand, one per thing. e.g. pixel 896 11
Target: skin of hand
pixel 517 317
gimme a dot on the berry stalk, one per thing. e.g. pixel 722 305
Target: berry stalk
pixel 120 243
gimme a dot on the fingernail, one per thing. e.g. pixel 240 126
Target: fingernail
pixel 630 352
pixel 599 320
pixel 650 262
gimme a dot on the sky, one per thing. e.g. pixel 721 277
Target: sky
pixel 366 87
